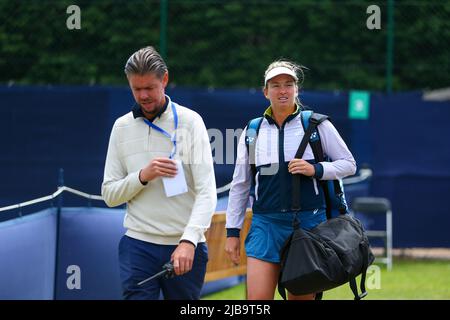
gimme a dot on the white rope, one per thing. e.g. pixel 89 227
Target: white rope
pixel 51 197
pixel 83 194
pixel 363 175
pixel 224 188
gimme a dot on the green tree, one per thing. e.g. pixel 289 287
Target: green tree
pixel 218 43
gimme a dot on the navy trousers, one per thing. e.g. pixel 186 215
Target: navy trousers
pixel 140 260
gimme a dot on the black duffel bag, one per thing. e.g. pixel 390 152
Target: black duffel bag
pixel 325 257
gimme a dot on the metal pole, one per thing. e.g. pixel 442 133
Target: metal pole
pixel 389 240
pixel 58 215
pixel 163 29
pixel 390 46
pixel 60 184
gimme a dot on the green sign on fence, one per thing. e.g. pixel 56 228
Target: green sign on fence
pixel 359 105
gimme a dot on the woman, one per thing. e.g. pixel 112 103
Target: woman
pixel 278 139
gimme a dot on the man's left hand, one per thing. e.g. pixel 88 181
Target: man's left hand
pixel 183 258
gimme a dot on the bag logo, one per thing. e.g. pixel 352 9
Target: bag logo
pixel 250 140
pixel 314 136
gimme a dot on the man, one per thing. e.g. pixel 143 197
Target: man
pixel 159 162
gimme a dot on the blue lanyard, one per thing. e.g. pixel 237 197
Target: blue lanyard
pixel 172 138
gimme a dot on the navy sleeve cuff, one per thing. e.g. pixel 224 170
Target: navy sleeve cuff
pixel 233 232
pixel 318 168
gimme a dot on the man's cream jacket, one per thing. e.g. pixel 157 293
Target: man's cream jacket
pixel 152 216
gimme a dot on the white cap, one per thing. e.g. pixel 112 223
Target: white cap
pixel 277 71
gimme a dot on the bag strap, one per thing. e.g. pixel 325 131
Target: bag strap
pixel 281 288
pixel 317 150
pixel 362 284
pixel 310 121
pixel 251 134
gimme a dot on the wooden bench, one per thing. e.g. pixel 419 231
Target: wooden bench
pixel 219 265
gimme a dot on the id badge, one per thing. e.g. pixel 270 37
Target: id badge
pixel 176 185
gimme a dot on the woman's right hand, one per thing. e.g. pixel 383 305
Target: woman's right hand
pixel 232 247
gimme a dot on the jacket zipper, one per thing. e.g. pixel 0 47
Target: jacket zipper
pixel 315 186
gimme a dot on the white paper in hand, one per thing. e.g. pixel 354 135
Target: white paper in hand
pixel 176 185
